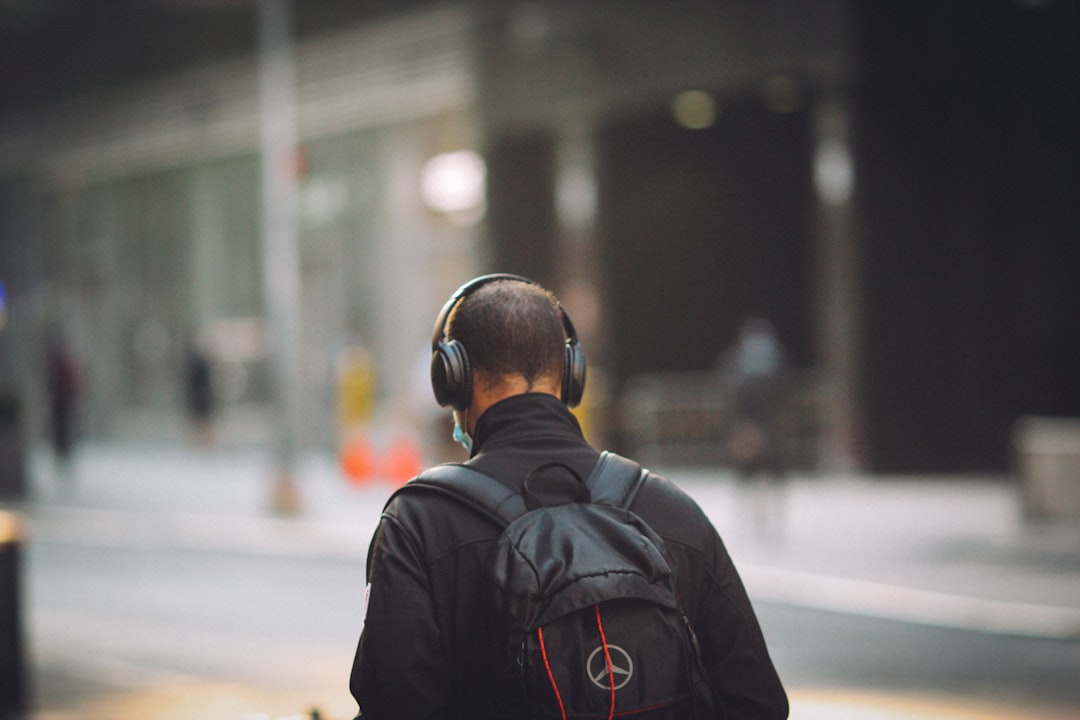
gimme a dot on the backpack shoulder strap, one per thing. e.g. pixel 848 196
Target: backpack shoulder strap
pixel 471 488
pixel 616 480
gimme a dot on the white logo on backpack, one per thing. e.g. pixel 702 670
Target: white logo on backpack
pixel 622 667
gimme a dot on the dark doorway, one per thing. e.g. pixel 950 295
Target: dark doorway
pixel 521 181
pixel 702 229
pixel 968 178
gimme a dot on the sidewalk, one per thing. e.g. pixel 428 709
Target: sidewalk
pixel 949 551
pixel 946 551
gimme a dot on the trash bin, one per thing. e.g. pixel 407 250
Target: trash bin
pixel 13 701
pixel 12 447
pixel 1048 463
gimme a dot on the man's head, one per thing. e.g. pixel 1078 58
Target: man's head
pixel 505 334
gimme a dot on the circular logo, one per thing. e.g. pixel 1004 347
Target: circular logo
pixel 622 667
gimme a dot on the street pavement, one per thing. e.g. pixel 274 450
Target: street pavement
pixel 942 551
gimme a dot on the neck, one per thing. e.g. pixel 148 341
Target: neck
pixel 487 393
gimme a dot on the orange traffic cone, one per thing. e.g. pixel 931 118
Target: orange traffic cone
pixel 403 461
pixel 358 459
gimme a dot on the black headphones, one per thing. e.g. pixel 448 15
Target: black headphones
pixel 451 376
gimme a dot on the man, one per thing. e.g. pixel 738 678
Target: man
pixel 756 374
pixel 506 359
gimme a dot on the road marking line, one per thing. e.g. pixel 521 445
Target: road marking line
pixel 865 705
pixel 894 602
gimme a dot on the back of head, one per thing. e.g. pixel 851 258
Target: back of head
pixel 511 328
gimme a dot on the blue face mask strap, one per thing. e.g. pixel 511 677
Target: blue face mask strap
pixel 462 437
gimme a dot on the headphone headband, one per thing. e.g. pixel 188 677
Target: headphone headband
pixel 451 376
pixel 439 333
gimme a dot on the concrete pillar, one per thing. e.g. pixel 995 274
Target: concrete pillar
pixel 576 201
pixel 837 280
pixel 402 292
pixel 579 266
pixel 281 253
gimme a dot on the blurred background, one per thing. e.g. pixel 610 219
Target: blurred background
pixel 233 223
pixel 893 187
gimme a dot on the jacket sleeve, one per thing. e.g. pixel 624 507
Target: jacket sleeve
pixel 399 670
pixel 733 647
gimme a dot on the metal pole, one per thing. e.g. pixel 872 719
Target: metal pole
pixel 281 257
pixel 13 701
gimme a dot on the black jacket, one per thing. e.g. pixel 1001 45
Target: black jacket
pixel 417 655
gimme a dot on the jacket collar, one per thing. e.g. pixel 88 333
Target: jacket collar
pixel 522 419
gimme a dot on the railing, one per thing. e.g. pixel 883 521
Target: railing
pixel 687 418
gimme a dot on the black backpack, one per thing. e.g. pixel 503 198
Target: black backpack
pixel 587 623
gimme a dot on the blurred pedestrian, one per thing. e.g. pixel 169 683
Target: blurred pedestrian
pixel 63 383
pixel 755 373
pixel 506 360
pixel 199 394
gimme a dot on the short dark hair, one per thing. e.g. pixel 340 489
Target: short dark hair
pixel 510 328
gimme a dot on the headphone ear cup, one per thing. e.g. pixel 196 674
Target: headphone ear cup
pixel 573 386
pixel 451 380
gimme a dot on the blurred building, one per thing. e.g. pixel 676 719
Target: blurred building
pixel 888 185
